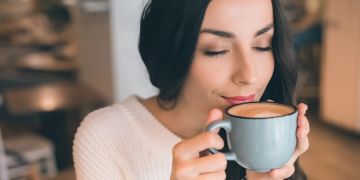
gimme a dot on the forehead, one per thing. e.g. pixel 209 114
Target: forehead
pixel 242 17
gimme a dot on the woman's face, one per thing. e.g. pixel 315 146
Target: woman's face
pixel 233 61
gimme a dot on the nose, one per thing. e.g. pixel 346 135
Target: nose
pixel 245 71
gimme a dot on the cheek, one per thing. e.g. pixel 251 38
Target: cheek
pixel 207 73
pixel 266 68
pixel 203 80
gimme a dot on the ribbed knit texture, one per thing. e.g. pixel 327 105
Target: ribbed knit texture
pixel 123 141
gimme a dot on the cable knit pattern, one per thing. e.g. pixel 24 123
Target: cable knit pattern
pixel 123 141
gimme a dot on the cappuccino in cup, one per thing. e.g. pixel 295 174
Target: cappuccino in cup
pixel 260 110
pixel 261 135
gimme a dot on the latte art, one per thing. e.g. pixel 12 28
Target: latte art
pixel 260 110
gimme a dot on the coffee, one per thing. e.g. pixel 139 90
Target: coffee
pixel 260 110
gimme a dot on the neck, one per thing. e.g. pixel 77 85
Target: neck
pixel 182 120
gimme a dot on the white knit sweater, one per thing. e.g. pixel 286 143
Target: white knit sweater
pixel 123 141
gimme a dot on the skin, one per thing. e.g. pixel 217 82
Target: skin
pixel 233 58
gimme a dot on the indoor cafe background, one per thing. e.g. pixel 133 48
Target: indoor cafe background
pixel 61 59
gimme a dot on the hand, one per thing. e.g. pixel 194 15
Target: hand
pixel 302 146
pixel 187 163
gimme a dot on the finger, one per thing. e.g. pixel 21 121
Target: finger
pixel 307 126
pixel 302 108
pixel 300 120
pixel 190 148
pixel 304 129
pixel 219 175
pixel 303 122
pixel 282 173
pixel 256 175
pixel 214 115
pixel 302 146
pixel 293 158
pixel 302 141
pixel 297 153
pixel 202 165
pixel 208 164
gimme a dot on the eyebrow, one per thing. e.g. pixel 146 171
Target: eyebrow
pixel 230 35
pixel 219 33
pixel 264 30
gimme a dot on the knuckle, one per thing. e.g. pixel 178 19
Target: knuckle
pixel 210 139
pixel 305 145
pixel 177 149
pixel 213 140
pixel 274 175
pixel 291 170
pixel 221 160
pixel 222 175
pixel 181 170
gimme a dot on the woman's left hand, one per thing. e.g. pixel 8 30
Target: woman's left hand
pixel 302 146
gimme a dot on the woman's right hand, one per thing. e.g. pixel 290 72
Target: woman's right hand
pixel 187 162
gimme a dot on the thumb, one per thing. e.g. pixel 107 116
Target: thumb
pixel 214 115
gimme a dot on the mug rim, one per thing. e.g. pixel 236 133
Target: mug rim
pixel 254 118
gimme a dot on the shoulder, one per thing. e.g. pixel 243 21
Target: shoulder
pixel 104 117
pixel 110 117
pixel 96 143
pixel 107 124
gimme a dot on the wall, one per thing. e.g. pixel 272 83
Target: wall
pixel 95 62
pixel 340 80
pixel 129 74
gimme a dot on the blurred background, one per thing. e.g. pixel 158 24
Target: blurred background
pixel 61 59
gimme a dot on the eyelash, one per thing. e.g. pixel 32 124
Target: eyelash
pixel 220 53
pixel 261 49
pixel 215 53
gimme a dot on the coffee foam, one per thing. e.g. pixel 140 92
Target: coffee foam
pixel 260 110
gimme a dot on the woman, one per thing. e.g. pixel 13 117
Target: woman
pixel 203 56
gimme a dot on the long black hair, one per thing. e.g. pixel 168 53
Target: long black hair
pixel 169 31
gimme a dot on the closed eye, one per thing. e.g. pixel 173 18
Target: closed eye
pixel 263 49
pixel 215 53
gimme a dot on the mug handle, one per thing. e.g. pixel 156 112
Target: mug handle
pixel 226 124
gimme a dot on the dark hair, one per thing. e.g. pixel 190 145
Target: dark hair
pixel 169 32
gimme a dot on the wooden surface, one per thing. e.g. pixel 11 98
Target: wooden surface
pixel 45 62
pixel 333 154
pixel 49 97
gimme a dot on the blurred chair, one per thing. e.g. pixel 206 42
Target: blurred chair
pixel 30 154
pixel 3 167
pixel 26 157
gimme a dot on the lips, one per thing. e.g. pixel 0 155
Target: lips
pixel 239 99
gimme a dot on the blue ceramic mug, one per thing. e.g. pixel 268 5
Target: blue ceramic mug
pixel 261 135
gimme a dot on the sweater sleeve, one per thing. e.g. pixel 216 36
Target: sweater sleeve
pixel 92 160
